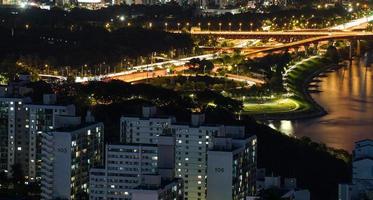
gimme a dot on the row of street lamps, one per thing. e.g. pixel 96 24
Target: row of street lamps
pixel 199 25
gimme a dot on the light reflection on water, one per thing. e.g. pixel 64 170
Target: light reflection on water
pixel 347 95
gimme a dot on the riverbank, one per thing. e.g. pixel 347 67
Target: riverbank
pixel 297 79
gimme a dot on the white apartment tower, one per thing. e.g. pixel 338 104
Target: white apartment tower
pixel 192 140
pixel 144 129
pixel 143 169
pixel 42 118
pixel 231 168
pixel 67 155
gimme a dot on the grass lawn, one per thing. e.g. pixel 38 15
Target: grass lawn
pixel 275 106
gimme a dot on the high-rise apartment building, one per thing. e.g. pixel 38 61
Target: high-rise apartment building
pixel 137 171
pixel 231 168
pixel 22 123
pixel 144 129
pixel 13 132
pixel 67 155
pixel 13 126
pixel 42 118
pixel 192 143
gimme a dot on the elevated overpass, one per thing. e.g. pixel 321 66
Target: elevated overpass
pixel 281 35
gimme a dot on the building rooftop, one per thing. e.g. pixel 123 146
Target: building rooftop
pixel 73 128
pixel 164 183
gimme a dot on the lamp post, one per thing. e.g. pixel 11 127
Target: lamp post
pixel 240 24
pixel 220 26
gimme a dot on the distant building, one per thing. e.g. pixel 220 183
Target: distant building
pixel 362 173
pixel 67 155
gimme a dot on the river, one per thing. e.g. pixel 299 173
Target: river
pixel 347 95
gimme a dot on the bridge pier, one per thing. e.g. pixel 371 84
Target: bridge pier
pixel 358 48
pixel 350 50
pixel 355 48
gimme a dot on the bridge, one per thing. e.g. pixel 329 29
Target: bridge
pixel 289 36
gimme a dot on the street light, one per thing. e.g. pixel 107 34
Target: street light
pixel 230 26
pixel 251 26
pixel 240 24
pixel 165 25
pixel 178 26
pixel 150 25
pixel 219 26
pixel 208 26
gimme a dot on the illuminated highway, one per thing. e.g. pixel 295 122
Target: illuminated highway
pixel 354 23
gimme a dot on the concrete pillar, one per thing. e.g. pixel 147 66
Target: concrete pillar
pixel 350 51
pixel 358 48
